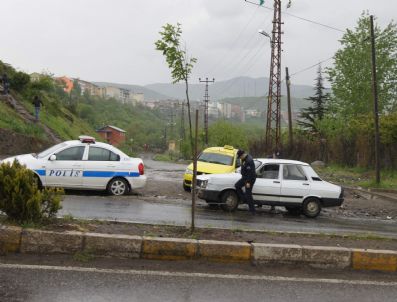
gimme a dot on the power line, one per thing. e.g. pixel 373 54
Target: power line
pixel 251 63
pixel 235 40
pixel 300 18
pixel 246 51
pixel 311 66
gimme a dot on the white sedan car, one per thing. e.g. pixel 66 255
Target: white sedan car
pixel 85 164
pixel 292 184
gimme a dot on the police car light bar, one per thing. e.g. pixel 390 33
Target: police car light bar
pixel 87 139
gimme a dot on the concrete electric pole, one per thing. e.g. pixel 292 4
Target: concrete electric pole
pixel 290 136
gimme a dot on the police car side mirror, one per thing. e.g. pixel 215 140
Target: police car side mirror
pixel 53 157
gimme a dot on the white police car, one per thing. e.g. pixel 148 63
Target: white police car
pixel 292 184
pixel 85 164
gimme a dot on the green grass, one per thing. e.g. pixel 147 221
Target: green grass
pixel 83 256
pixel 9 119
pixel 358 176
pixel 166 157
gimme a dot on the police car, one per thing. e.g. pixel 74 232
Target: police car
pixel 292 184
pixel 85 164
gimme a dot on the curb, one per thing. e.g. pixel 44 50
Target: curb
pixel 31 241
pixel 373 192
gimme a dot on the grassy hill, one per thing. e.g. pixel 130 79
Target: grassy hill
pixel 67 116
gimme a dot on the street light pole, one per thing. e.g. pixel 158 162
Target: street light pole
pixel 291 140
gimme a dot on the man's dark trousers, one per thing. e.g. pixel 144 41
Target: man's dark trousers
pixel 247 197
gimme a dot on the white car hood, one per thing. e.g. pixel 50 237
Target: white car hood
pixel 22 159
pixel 221 178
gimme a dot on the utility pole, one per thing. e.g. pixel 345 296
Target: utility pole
pixel 375 95
pixel 291 140
pixel 206 99
pixel 172 123
pixel 273 127
pixel 182 130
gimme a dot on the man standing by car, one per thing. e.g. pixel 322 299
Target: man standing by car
pixel 247 180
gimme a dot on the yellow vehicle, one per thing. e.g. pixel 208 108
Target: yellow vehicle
pixel 214 160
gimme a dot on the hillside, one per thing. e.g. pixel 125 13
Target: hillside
pixel 67 116
pixel 149 93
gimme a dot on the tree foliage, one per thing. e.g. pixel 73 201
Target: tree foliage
pixel 178 61
pixel 351 74
pixel 312 115
pixel 19 81
pixel 20 197
pixel 224 133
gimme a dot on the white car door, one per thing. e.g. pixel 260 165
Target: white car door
pixel 100 166
pixel 294 185
pixel 66 170
pixel 268 185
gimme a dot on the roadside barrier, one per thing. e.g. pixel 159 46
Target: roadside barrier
pixel 31 241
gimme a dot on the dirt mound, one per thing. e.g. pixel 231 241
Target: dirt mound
pixel 12 143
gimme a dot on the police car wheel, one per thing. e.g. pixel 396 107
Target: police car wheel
pixel 117 187
pixel 229 201
pixel 37 182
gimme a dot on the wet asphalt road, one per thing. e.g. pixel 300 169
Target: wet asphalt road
pixel 59 283
pixel 159 209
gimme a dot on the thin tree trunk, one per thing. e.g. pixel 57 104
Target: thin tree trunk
pixel 189 115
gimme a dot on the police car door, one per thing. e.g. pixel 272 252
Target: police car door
pixel 100 167
pixel 65 169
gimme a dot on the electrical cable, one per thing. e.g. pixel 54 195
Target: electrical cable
pixel 310 67
pixel 235 41
pixel 300 18
pixel 250 63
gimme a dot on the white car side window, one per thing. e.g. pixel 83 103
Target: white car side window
pixel 293 172
pixel 270 171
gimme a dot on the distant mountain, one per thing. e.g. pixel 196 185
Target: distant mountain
pixel 236 87
pixel 149 93
pixel 260 103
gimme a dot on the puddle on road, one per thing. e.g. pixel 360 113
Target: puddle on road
pixel 165 176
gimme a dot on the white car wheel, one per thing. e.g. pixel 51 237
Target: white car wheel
pixel 117 187
pixel 229 201
pixel 311 207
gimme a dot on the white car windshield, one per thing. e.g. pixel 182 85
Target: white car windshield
pixel 216 158
pixel 257 165
pixel 51 150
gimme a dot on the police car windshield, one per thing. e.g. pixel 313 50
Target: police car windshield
pixel 51 150
pixel 216 158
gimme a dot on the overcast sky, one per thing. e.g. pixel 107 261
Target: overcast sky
pixel 113 40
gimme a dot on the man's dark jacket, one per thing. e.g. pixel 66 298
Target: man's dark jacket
pixel 248 169
pixel 37 102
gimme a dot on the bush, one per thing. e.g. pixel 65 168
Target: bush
pixel 19 81
pixel 21 199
